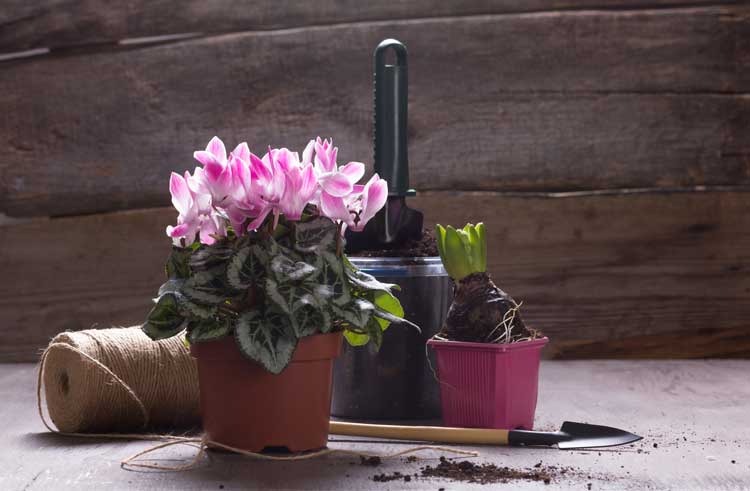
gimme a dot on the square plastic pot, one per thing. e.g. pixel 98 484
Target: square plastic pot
pixel 485 385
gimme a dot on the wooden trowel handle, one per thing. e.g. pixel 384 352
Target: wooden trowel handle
pixel 469 436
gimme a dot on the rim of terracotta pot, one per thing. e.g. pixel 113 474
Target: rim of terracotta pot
pixel 310 348
pixel 464 345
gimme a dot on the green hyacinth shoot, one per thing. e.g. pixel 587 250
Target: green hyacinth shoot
pixel 463 251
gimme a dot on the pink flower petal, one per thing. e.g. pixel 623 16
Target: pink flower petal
pixel 258 221
pixel 216 147
pixel 334 208
pixel 309 184
pixel 353 170
pixel 181 197
pixel 206 158
pixel 307 154
pixel 292 201
pixel 242 185
pixel 336 184
pixel 178 231
pixel 323 162
pixel 236 218
pixel 260 169
pixel 242 151
pixel 373 199
pixel 211 225
pixel 278 182
pixel 286 159
pixel 182 232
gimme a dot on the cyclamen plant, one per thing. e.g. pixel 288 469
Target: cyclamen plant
pixel 258 253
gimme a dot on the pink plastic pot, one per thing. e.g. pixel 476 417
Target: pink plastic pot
pixel 486 385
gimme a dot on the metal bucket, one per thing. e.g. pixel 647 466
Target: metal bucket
pixel 396 382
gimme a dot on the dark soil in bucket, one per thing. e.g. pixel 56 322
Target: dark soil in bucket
pixel 425 247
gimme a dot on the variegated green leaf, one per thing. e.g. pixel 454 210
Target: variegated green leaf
pixel 192 309
pixel 366 281
pixel 385 301
pixel 266 339
pixel 357 312
pixel 245 268
pixel 203 294
pixel 286 269
pixel 164 320
pixel 315 236
pixel 178 263
pixel 208 330
pixel 208 257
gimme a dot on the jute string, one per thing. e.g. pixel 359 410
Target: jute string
pixel 117 383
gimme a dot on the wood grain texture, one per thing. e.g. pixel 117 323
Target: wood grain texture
pixel 637 275
pixel 61 23
pixel 579 100
pixel 692 415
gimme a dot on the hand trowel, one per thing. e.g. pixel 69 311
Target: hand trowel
pixel 396 223
pixel 571 435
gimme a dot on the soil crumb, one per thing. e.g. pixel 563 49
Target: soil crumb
pixel 396 476
pixel 425 247
pixel 373 461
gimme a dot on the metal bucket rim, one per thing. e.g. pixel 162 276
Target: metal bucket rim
pixel 400 266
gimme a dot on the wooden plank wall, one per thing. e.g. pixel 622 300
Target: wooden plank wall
pixel 605 143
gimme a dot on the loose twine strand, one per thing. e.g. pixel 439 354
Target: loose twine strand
pixel 132 353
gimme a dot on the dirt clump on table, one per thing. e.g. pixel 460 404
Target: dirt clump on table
pixel 424 247
pixel 474 473
pixel 396 476
pixel 373 461
pixel 489 473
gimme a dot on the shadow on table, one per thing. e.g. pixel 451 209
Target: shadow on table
pixel 50 439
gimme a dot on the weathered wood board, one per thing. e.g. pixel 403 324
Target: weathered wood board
pixel 62 23
pixel 633 275
pixel 692 415
pixel 542 101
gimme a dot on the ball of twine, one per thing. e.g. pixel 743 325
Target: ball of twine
pixel 119 380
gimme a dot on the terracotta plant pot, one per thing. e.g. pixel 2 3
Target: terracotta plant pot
pixel 246 407
pixel 486 385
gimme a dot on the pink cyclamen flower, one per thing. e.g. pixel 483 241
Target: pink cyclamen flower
pixel 300 186
pixel 195 214
pixel 216 177
pixel 281 184
pixel 334 180
pixel 358 208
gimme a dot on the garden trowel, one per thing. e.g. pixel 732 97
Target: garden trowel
pixel 396 223
pixel 571 435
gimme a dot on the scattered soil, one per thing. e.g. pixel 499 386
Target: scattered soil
pixel 396 476
pixel 471 472
pixel 373 461
pixel 425 247
pixel 489 473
